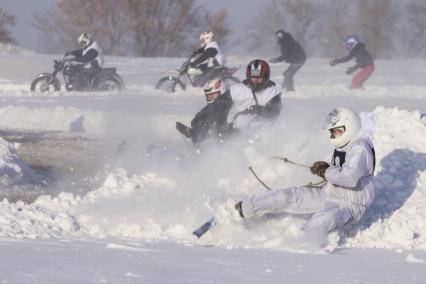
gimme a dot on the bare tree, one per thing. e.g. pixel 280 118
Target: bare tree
pixel 387 27
pixel 6 20
pixel 375 24
pixel 141 27
pixel 61 25
pixel 410 39
pixel 219 25
pixel 168 27
pixel 299 17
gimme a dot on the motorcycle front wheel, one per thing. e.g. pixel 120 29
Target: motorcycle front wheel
pixel 43 84
pixel 169 84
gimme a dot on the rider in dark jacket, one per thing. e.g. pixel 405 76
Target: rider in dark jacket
pixel 291 52
pixel 363 59
pixel 206 61
pixel 210 121
pixel 89 55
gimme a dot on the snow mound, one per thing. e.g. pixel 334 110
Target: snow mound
pixel 14 171
pixel 51 119
pixel 168 205
pixel 397 216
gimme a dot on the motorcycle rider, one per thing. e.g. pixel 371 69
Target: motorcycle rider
pixel 291 52
pixel 206 61
pixel 88 60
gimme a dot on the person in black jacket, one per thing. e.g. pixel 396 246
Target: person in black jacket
pixel 291 52
pixel 210 121
pixel 88 61
pixel 363 59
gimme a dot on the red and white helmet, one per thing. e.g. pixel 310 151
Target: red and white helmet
pixel 258 73
pixel 213 89
pixel 206 37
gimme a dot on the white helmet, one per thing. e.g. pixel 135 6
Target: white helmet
pixel 206 37
pixel 85 39
pixel 213 89
pixel 350 42
pixel 346 119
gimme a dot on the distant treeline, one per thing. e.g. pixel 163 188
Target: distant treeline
pixel 389 28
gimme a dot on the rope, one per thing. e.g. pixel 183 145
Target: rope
pixel 318 184
pixel 258 179
pixel 285 160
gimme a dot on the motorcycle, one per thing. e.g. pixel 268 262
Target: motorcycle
pixel 77 78
pixel 181 77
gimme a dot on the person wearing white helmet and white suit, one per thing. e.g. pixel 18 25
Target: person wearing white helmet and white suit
pixel 349 187
pixel 207 59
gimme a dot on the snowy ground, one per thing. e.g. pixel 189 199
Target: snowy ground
pixel 92 215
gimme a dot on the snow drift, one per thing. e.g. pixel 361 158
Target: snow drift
pixel 167 200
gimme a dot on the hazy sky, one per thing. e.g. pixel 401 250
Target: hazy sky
pixel 240 12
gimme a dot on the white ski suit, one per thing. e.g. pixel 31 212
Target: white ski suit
pixel 348 192
pixel 243 98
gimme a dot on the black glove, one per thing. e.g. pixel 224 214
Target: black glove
pixel 254 109
pixel 351 70
pixel 334 62
pixel 319 168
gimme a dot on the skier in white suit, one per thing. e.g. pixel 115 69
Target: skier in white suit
pixel 350 182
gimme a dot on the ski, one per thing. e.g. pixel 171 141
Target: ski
pixel 204 228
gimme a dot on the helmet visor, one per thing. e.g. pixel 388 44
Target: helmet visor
pixel 256 80
pixel 337 132
pixel 211 97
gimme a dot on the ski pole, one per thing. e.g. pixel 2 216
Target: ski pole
pixel 258 179
pixel 285 160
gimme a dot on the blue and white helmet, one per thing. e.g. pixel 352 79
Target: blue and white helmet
pixel 350 42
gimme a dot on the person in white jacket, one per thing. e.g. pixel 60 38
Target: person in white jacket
pixel 349 187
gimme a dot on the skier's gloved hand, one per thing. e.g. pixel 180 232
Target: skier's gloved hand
pixel 334 62
pixel 351 70
pixel 319 168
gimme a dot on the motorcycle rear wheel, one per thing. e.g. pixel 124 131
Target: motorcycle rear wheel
pixel 109 84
